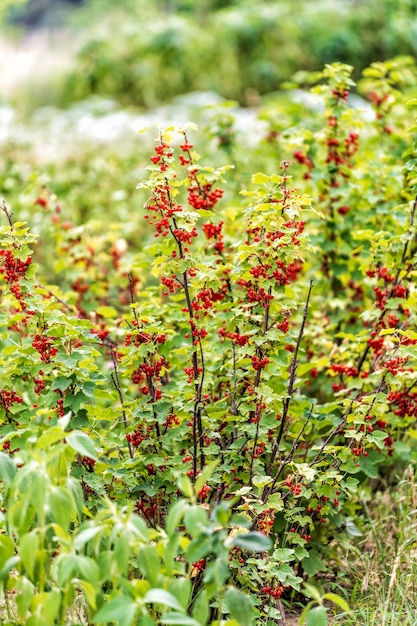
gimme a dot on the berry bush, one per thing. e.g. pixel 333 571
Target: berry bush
pixel 187 416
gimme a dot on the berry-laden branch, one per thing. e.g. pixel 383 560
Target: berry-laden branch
pixel 290 389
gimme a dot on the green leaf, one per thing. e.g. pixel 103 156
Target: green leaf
pixel 6 549
pixel 149 563
pixel 175 515
pixel 239 606
pixel 254 541
pixel 47 604
pixel 184 484
pixel 89 593
pixel 312 592
pixel 201 610
pixel 317 616
pixel 84 536
pixel 121 553
pixel 106 311
pixel 8 566
pixel 28 547
pixel 284 555
pixel 160 596
pixel 52 435
pixel 61 506
pixel 146 620
pixel 181 589
pixel 261 481
pixel 195 519
pixel 120 610
pixel 81 443
pixel 313 564
pixel 24 595
pixel 338 600
pixel 206 474
pixel 180 620
pixel 7 469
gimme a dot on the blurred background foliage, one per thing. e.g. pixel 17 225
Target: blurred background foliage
pixel 145 52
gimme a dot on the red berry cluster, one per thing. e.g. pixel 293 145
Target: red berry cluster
pixel 7 448
pixel 359 451
pixel 214 231
pixel 275 592
pixel 294 486
pixel 202 196
pixel 204 491
pixel 284 326
pixel 43 344
pixel 259 363
pixel 163 154
pixel 302 158
pixel 342 368
pixel 240 340
pixel 141 433
pixel 199 565
pixel 8 398
pixel 404 402
pixel 39 383
pixel 13 269
pixel 266 521
pixel 141 337
pixel 149 510
pixel 88 463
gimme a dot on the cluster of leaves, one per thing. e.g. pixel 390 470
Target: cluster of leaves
pixel 258 357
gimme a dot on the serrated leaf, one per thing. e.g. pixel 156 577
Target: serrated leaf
pixel 261 481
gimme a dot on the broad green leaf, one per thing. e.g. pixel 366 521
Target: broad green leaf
pixel 175 515
pixel 261 481
pixel 313 563
pixel 317 616
pixel 195 519
pixel 160 596
pixel 284 555
pixel 81 443
pixel 28 547
pixel 149 563
pixel 25 592
pixel 184 483
pixel 7 469
pixel 206 474
pixel 47 604
pixel 239 606
pixel 201 610
pixel 8 566
pixel 121 610
pixel 61 506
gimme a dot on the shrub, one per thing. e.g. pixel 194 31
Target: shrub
pixel 185 427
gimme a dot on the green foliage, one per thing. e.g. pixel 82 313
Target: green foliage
pixel 236 49
pixel 190 407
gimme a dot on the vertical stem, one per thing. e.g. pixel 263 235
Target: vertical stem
pixel 116 381
pixel 290 389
